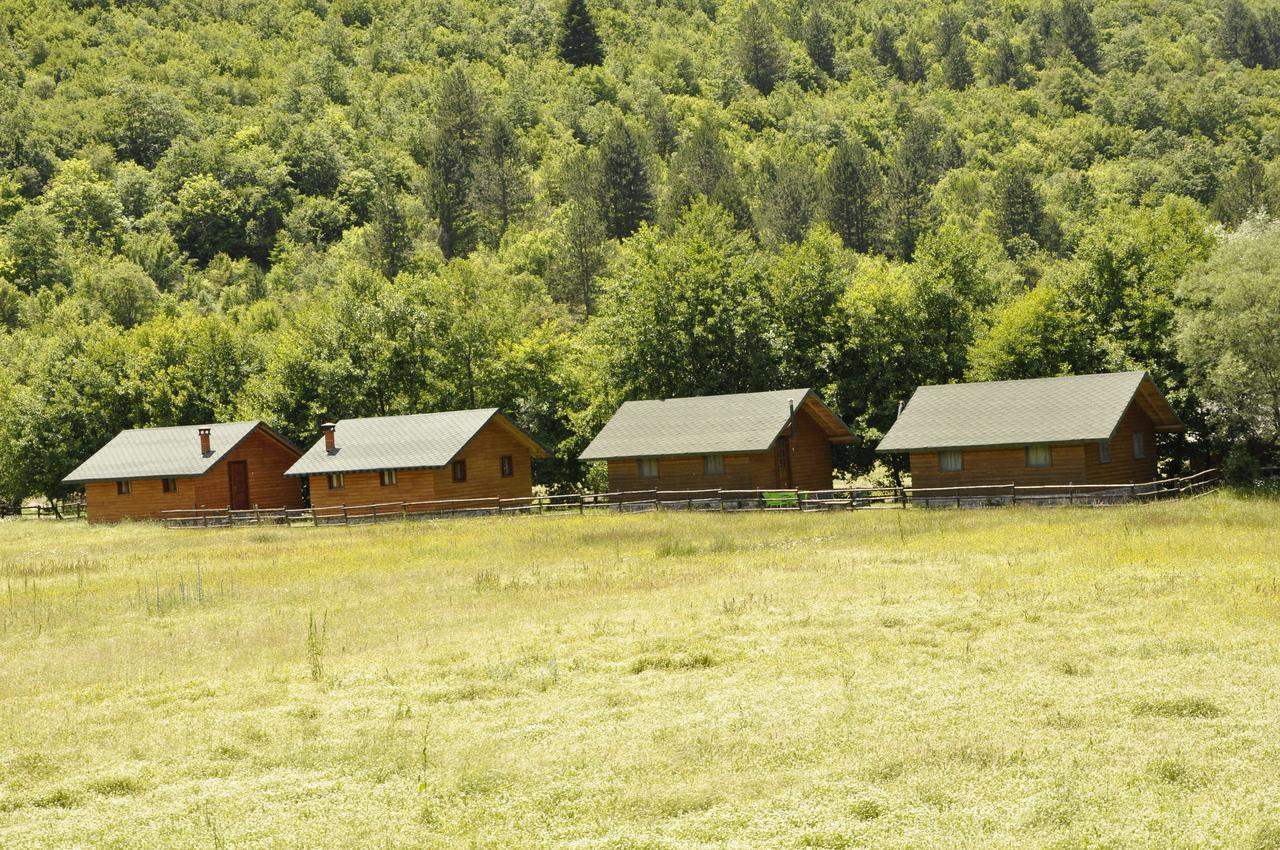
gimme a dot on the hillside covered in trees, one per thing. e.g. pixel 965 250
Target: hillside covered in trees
pixel 300 210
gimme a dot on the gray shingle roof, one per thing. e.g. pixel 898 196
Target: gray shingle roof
pixel 718 424
pixel 416 441
pixel 1073 409
pixel 163 452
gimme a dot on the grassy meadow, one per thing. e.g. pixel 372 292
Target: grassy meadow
pixel 1056 678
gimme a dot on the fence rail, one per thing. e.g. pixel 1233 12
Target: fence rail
pixel 54 510
pixel 637 501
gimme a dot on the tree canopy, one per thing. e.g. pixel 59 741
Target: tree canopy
pixel 306 210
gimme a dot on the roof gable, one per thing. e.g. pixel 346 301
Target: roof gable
pixel 415 441
pixel 738 423
pixel 172 452
pixel 1071 409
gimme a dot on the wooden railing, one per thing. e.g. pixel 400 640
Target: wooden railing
pixel 54 510
pixel 635 501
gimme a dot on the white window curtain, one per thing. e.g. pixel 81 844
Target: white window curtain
pixel 950 460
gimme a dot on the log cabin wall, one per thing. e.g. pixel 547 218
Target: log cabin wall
pixel 267 459
pixel 1000 466
pixel 1124 467
pixel 365 488
pixel 687 473
pixel 483 454
pixel 810 454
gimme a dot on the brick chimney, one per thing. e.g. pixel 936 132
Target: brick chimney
pixel 205 449
pixel 329 445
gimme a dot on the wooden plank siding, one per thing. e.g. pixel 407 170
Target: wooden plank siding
pixel 1124 468
pixel 810 451
pixel 365 488
pixel 267 460
pixel 1070 464
pixel 483 453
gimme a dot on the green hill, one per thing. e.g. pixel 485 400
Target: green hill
pixel 301 210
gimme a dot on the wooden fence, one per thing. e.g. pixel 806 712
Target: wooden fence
pixel 52 510
pixel 636 501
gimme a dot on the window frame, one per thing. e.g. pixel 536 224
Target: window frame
pixel 169 485
pixel 124 487
pixel 713 464
pixel 646 467
pixel 1048 456
pixel 336 480
pixel 460 471
pixel 957 454
pixel 1139 446
pixel 387 478
pixel 506 466
pixel 1104 452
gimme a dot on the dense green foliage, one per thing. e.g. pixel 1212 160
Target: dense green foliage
pixel 300 209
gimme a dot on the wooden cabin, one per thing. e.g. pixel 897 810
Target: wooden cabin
pixel 428 457
pixel 744 441
pixel 145 471
pixel 1081 429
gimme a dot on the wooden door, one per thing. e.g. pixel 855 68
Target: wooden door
pixel 784 463
pixel 238 476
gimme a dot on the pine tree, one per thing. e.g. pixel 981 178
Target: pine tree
pixel 703 167
pixel 908 185
pixel 819 41
pixel 852 195
pixel 1004 67
pixel 451 152
pixel 1018 205
pixel 502 186
pixel 759 53
pixel 956 68
pixel 913 67
pixel 1241 37
pixel 1242 194
pixel 950 26
pixel 625 186
pixel 1076 32
pixel 787 198
pixel 579 43
pixel 389 240
pixel 885 49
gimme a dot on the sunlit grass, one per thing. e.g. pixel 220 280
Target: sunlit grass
pixel 1062 678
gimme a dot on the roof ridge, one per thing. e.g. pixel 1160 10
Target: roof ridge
pixel 1043 379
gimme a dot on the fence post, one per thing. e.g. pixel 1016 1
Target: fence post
pixel 404 512
pixel 582 504
pixel 1071 493
pixel 345 521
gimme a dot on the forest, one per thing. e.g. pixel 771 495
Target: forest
pixel 301 210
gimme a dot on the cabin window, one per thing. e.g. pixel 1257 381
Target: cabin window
pixel 459 471
pixel 387 478
pixel 170 485
pixel 336 481
pixel 124 488
pixel 713 464
pixel 1104 453
pixel 1039 456
pixel 506 466
pixel 950 460
pixel 647 467
pixel 1139 446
